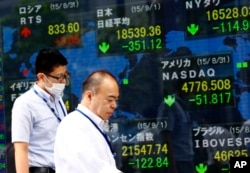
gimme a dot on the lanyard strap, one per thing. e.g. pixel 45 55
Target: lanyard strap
pixel 52 109
pixel 103 134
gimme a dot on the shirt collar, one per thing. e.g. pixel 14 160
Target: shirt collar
pixel 43 93
pixel 97 120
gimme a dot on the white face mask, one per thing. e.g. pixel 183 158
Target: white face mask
pixel 56 89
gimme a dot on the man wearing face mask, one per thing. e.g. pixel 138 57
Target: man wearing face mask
pixel 37 113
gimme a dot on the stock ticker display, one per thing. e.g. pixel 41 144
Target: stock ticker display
pixel 161 51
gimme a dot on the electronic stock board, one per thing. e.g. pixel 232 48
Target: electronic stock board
pixel 196 50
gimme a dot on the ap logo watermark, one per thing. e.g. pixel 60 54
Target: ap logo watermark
pixel 240 164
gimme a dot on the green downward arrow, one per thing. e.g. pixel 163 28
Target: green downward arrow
pixel 201 168
pixel 169 100
pixel 104 47
pixel 192 29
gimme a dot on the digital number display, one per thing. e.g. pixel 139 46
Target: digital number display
pixel 201 81
pixel 223 98
pixel 204 86
pixel 142 45
pixel 137 32
pixel 233 26
pixel 33 18
pixel 68 40
pixel 127 34
pixel 228 13
pixel 225 155
pixel 212 92
pixel 63 28
pixel 144 149
pixel 217 20
pixel 150 162
pixel 68 34
pixel 190 56
pixel 222 142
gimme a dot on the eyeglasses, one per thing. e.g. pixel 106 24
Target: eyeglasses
pixel 61 77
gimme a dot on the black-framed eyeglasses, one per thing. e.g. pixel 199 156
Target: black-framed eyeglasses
pixel 61 77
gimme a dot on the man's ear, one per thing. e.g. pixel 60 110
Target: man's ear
pixel 40 76
pixel 89 94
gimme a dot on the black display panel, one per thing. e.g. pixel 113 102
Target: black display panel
pixel 164 53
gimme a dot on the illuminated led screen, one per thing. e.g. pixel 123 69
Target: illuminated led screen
pixel 178 63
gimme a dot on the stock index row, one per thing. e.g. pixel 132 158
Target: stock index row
pixel 128 28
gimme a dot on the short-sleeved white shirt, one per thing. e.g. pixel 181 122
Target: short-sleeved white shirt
pixel 34 122
pixel 80 147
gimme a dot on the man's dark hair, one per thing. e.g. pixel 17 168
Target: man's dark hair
pixel 48 59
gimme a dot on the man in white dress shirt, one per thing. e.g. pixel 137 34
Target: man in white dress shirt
pixel 37 113
pixel 81 145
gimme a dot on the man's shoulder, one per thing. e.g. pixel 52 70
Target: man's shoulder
pixel 71 116
pixel 72 121
pixel 75 118
pixel 25 95
pixel 28 97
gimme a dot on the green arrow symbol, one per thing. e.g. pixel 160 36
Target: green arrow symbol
pixel 201 168
pixel 104 47
pixel 192 29
pixel 169 100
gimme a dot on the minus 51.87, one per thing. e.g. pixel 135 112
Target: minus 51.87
pixel 220 98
